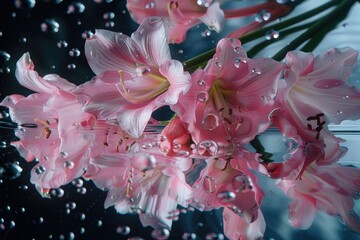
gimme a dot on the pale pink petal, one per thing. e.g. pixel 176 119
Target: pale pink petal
pixel 214 17
pixel 236 228
pixel 110 51
pixel 151 37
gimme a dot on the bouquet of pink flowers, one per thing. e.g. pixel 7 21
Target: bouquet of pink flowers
pixel 208 155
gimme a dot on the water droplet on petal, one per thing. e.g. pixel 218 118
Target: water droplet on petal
pixel 226 196
pixel 209 184
pixel 69 164
pixel 143 161
pixel 149 5
pixel 256 70
pixel 242 183
pixel 202 96
pixel 40 170
pixel 207 146
pixel 328 83
pixel 201 82
pixel 204 3
pixel 63 154
pixel 210 121
pixel 142 70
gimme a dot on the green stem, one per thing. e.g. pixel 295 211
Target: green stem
pixel 318 26
pixel 260 46
pixel 199 60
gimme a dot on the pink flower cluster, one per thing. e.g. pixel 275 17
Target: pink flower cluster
pixel 103 130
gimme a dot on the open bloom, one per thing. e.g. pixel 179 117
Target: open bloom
pixel 49 120
pixel 149 184
pixel 179 16
pixel 138 70
pixel 328 188
pixel 232 98
pixel 315 93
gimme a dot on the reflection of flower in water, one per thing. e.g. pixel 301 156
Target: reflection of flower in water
pixel 103 130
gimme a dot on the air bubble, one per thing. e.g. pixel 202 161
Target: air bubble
pixel 87 34
pixel 123 230
pixel 77 182
pixel 3 144
pixel 58 192
pixel 108 15
pixel 50 25
pixel 204 3
pixel 5 56
pixel 24 4
pixel 71 66
pixel 40 170
pixel 160 234
pixel 81 190
pixel 74 52
pixel 75 8
pixel 109 24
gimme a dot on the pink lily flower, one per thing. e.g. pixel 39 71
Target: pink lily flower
pixel 139 69
pixel 232 98
pixel 315 93
pixel 149 184
pixel 49 119
pixel 327 188
pixel 230 183
pixel 179 16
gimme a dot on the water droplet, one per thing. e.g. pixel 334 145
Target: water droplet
pixel 202 96
pixel 70 205
pixel 256 70
pixel 210 121
pixel 142 70
pixel 5 56
pixel 143 161
pixel 189 236
pixel 87 34
pixel 75 8
pixel 50 25
pixel 58 192
pixel 149 5
pixel 263 16
pixel 71 66
pixel 12 224
pixel 40 170
pixel 226 196
pixel 209 184
pixel 162 138
pixel 181 51
pixel 239 61
pixel 160 234
pixel 63 154
pixel 69 164
pixel 207 146
pixel 201 82
pixel 206 33
pixel 81 190
pixel 3 144
pixel 22 40
pixel 108 15
pixel 99 223
pixel 242 183
pixel 328 83
pixel 4 70
pixel 345 97
pixel 24 4
pixel 77 182
pixel 272 34
pixel 123 230
pixel 238 49
pixel 23 187
pixel 109 24
pixel 74 52
pixel 204 3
